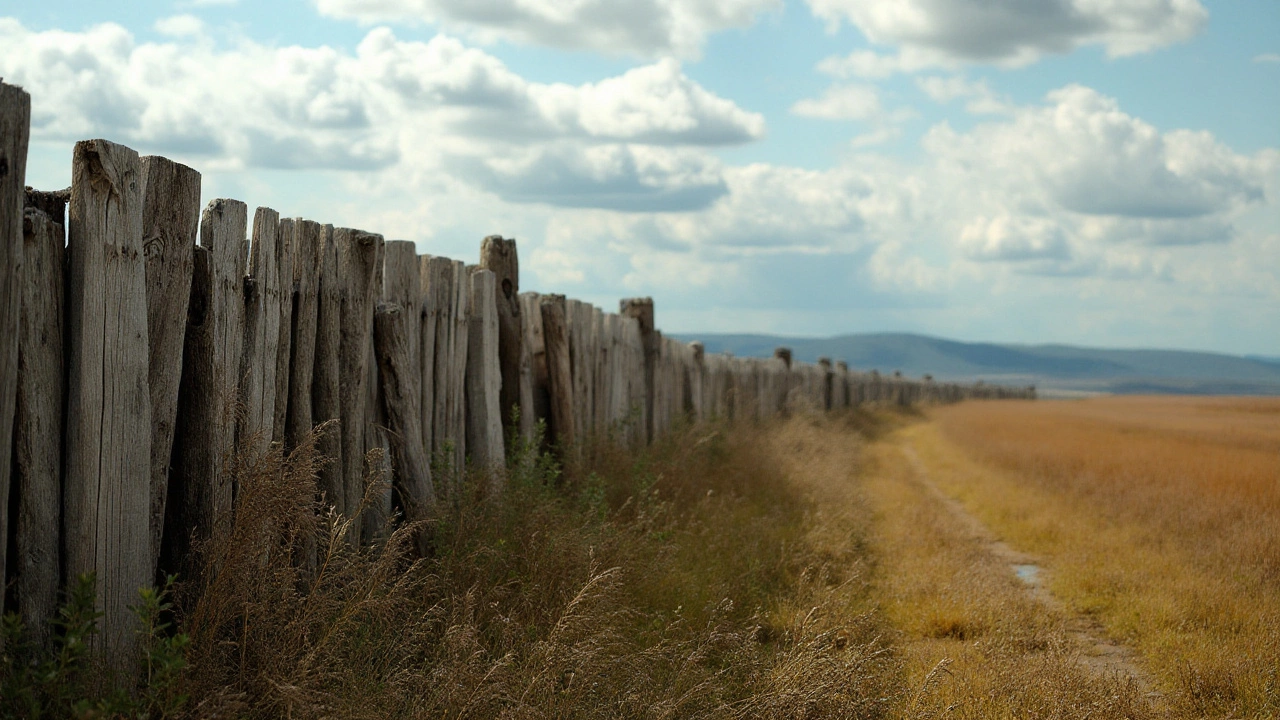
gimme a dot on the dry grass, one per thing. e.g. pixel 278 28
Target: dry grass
pixel 976 644
pixel 687 582
pixel 1158 516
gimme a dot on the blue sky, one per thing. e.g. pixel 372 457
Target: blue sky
pixel 1100 172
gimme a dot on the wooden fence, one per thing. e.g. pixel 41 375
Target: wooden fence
pixel 145 342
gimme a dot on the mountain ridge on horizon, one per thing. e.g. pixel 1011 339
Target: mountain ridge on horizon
pixel 1055 368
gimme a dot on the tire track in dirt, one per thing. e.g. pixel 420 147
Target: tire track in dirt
pixel 1099 654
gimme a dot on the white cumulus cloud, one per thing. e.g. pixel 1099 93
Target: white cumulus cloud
pixel 981 99
pixel 647 28
pixel 842 102
pixel 634 140
pixel 945 33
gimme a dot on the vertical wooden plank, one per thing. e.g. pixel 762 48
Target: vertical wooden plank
pixel 358 253
pixel 641 309
pixel 440 309
pixel 399 377
pixel 170 218
pixel 375 419
pixel 697 380
pixel 286 246
pixel 637 384
pixel 579 354
pixel 403 287
pixel 781 382
pixel 15 132
pixel 108 452
pixel 533 367
pixel 400 288
pixel 555 335
pixel 841 387
pixel 827 380
pixel 484 378
pixel 201 488
pixel 326 392
pixel 263 296
pixel 308 257
pixel 37 432
pixel 591 355
pixel 402 291
pixel 457 397
pixel 499 255
pixel 430 316
pixel 599 373
pixel 619 379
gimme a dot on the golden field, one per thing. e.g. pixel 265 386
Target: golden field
pixel 854 565
pixel 1158 517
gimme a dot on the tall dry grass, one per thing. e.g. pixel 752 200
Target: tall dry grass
pixel 1159 516
pixel 977 644
pixel 679 582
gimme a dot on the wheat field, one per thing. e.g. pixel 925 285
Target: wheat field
pixel 1158 516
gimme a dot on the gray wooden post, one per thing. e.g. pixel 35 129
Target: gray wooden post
pixel 828 381
pixel 257 367
pixel 484 377
pixel 37 432
pixel 326 393
pixel 15 132
pixel 641 309
pixel 500 256
pixel 286 246
pixel 170 219
pixel 535 401
pixel 399 377
pixel 358 253
pixel 555 335
pixel 200 484
pixel 108 441
pixel 308 256
pixel 429 277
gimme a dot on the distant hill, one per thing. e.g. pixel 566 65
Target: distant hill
pixel 1054 369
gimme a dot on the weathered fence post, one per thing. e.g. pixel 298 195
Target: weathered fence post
pixel 641 309
pixel 555 336
pixel 358 253
pixel 286 246
pixel 782 382
pixel 308 256
pixel 201 486
pixel 500 256
pixel 828 381
pixel 263 297
pixel 456 397
pixel 399 377
pixel 37 432
pixel 326 392
pixel 484 377
pixel 534 398
pixel 695 399
pixel 170 219
pixel 108 441
pixel 841 388
pixel 380 508
pixel 402 293
pixel 15 131
pixel 438 321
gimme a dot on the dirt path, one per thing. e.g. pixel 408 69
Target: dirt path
pixel 980 628
pixel 1099 653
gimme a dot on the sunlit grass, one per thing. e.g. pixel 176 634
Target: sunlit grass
pixel 686 581
pixel 1158 516
pixel 976 644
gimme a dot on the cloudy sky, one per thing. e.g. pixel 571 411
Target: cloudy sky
pixel 1101 172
